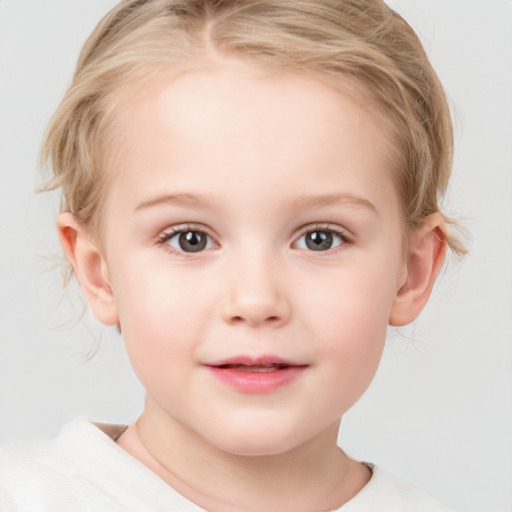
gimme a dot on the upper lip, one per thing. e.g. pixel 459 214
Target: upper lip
pixel 264 360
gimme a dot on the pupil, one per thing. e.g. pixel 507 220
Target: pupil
pixel 192 241
pixel 319 240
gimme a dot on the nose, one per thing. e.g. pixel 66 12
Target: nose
pixel 256 294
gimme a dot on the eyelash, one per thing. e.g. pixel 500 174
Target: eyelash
pixel 170 233
pixel 173 232
pixel 339 233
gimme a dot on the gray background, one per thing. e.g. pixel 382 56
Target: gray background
pixel 439 412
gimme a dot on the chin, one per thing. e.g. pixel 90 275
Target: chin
pixel 257 448
pixel 259 441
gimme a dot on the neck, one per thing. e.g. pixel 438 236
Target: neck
pixel 314 476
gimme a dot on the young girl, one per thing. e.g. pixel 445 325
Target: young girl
pixel 250 194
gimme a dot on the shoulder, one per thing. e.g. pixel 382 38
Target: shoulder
pixel 57 456
pixel 27 469
pixel 82 469
pixel 385 493
pixel 40 475
pixel 20 462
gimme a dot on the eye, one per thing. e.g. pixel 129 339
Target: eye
pixel 188 240
pixel 320 240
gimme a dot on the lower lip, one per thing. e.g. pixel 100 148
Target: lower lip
pixel 257 382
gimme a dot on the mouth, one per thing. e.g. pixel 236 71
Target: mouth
pixel 256 375
pixel 270 367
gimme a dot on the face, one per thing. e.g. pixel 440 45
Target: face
pixel 253 246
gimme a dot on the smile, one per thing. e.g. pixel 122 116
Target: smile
pixel 254 368
pixel 256 376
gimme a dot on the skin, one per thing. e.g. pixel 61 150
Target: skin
pixel 256 162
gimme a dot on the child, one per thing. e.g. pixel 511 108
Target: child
pixel 250 194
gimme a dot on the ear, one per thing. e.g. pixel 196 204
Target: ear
pixel 90 267
pixel 424 260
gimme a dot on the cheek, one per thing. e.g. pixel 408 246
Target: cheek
pixel 348 315
pixel 159 322
pixel 354 298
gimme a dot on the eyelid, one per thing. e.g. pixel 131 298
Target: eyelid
pixel 338 231
pixel 168 233
pixel 319 226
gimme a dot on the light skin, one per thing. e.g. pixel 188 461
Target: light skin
pixel 285 188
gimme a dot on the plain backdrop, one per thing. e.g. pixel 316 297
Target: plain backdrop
pixel 439 412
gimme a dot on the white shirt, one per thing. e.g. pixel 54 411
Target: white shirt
pixel 84 470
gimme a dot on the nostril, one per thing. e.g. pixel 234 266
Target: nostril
pixel 255 311
pixel 255 320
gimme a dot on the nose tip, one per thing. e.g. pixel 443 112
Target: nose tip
pixel 256 302
pixel 253 318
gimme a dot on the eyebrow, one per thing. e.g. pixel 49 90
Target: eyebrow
pixel 318 201
pixel 304 202
pixel 171 200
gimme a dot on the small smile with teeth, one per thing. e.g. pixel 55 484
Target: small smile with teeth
pixel 256 375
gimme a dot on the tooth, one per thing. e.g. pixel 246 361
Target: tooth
pixel 254 368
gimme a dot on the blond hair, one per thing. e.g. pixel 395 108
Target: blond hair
pixel 359 42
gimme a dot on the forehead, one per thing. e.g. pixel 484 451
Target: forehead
pixel 273 129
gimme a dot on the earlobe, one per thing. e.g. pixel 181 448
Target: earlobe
pixel 426 255
pixel 90 267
